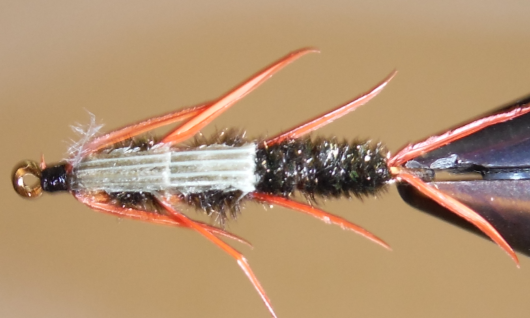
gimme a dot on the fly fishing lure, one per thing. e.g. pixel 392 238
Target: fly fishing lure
pixel 145 179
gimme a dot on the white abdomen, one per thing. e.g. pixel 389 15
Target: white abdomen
pixel 214 167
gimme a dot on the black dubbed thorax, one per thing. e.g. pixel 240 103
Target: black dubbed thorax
pixel 321 168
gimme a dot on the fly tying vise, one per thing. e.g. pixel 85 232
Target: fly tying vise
pixel 142 178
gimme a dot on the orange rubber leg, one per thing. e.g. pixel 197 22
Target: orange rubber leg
pixel 330 116
pixel 319 214
pixel 435 142
pixel 459 209
pixel 142 127
pixel 195 124
pixel 241 261
pixel 151 217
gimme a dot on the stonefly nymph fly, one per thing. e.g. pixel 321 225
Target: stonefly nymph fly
pixel 142 178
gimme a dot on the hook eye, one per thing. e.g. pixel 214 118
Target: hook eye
pixel 23 169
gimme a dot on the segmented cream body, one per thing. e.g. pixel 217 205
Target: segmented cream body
pixel 197 170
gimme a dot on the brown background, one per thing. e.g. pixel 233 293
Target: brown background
pixel 129 60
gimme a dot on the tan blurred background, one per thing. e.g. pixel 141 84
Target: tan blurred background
pixel 129 60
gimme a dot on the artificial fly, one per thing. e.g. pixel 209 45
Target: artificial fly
pixel 145 179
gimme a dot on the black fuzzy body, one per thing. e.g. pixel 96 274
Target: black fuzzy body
pixel 320 167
